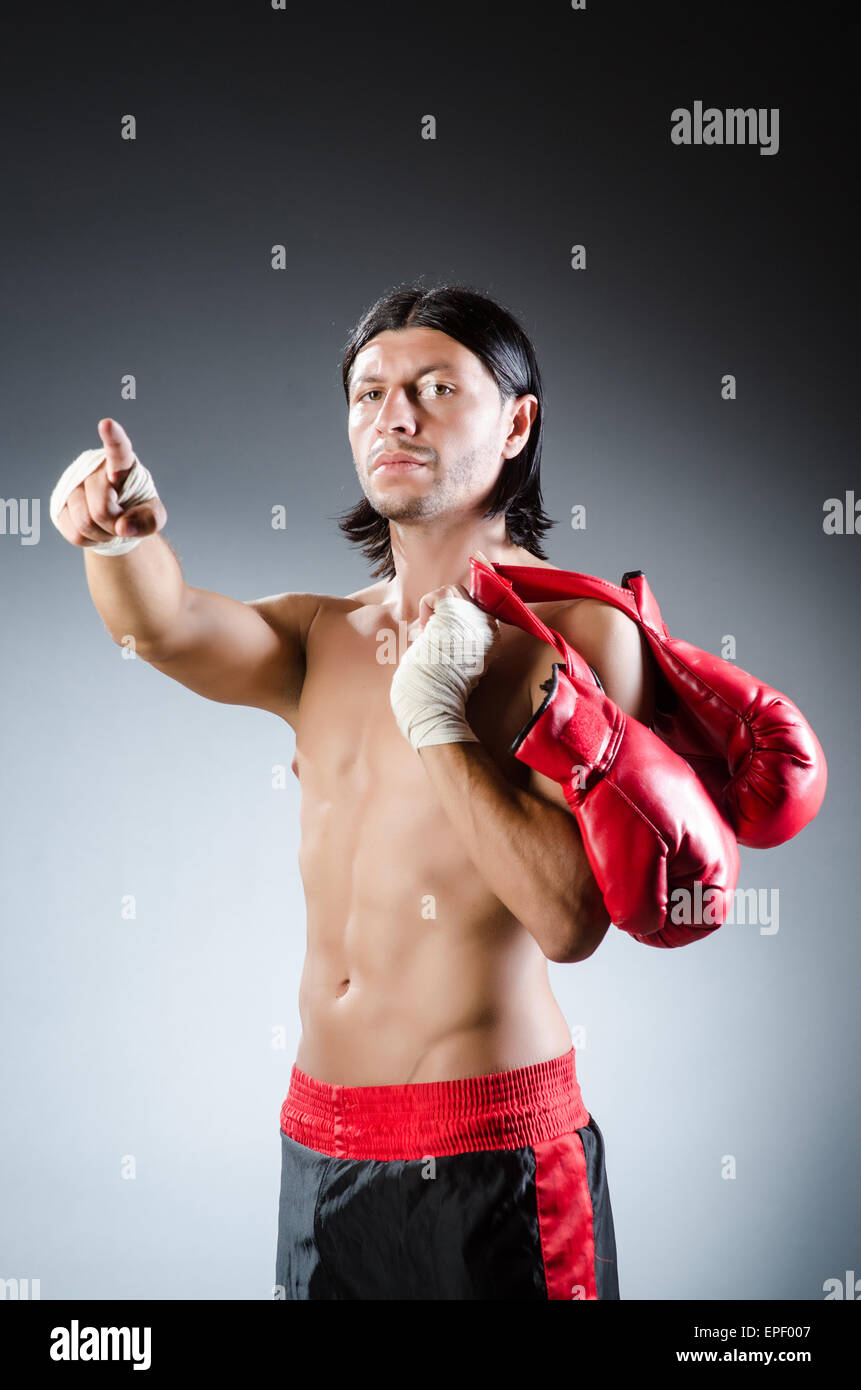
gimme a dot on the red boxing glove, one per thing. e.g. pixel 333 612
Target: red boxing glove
pixel 657 844
pixel 765 768
pixel 751 747
pixel 652 834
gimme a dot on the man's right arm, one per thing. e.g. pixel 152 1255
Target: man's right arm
pixel 238 653
pixel 250 653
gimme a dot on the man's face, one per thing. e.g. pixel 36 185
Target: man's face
pixel 417 392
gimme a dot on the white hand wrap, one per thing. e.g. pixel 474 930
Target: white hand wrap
pixel 138 487
pixel 436 674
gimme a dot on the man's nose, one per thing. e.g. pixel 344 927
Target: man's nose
pixel 396 413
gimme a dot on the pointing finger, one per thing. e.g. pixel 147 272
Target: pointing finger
pixel 118 451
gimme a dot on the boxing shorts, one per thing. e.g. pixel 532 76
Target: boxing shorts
pixel 488 1187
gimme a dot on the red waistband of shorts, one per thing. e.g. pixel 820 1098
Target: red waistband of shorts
pixel 502 1110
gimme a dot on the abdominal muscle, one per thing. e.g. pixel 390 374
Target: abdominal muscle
pixel 413 975
pixel 414 970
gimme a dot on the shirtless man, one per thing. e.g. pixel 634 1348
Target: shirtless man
pixel 438 881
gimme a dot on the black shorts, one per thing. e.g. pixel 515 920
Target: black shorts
pixel 486 1187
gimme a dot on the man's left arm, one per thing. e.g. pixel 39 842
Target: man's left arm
pixel 526 842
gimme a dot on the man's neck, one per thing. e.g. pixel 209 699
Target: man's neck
pixel 426 558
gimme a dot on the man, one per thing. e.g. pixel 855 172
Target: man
pixel 434 1141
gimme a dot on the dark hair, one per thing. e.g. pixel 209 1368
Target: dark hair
pixel 495 336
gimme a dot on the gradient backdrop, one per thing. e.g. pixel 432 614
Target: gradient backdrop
pixel 153 1036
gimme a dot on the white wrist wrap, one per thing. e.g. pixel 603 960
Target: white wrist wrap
pixel 436 674
pixel 138 487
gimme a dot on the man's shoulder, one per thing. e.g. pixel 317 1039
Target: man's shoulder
pixel 594 617
pixel 372 595
pixel 364 603
pixel 613 645
pixel 311 605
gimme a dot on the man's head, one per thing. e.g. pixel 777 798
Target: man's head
pixel 449 379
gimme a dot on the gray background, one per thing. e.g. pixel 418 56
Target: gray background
pixel 153 1037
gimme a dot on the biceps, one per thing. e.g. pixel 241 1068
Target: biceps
pixel 616 649
pixel 628 675
pixel 232 652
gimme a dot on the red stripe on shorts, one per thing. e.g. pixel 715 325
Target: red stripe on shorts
pixel 565 1218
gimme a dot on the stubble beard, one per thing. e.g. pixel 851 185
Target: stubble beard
pixel 447 494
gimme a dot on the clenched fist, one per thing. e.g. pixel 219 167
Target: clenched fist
pixel 438 671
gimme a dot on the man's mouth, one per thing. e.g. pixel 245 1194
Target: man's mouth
pixel 395 463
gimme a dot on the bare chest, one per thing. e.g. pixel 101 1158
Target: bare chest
pixel 347 740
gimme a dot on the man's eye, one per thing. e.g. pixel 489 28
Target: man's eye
pixel 435 385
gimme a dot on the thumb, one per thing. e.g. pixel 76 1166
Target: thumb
pixel 144 520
